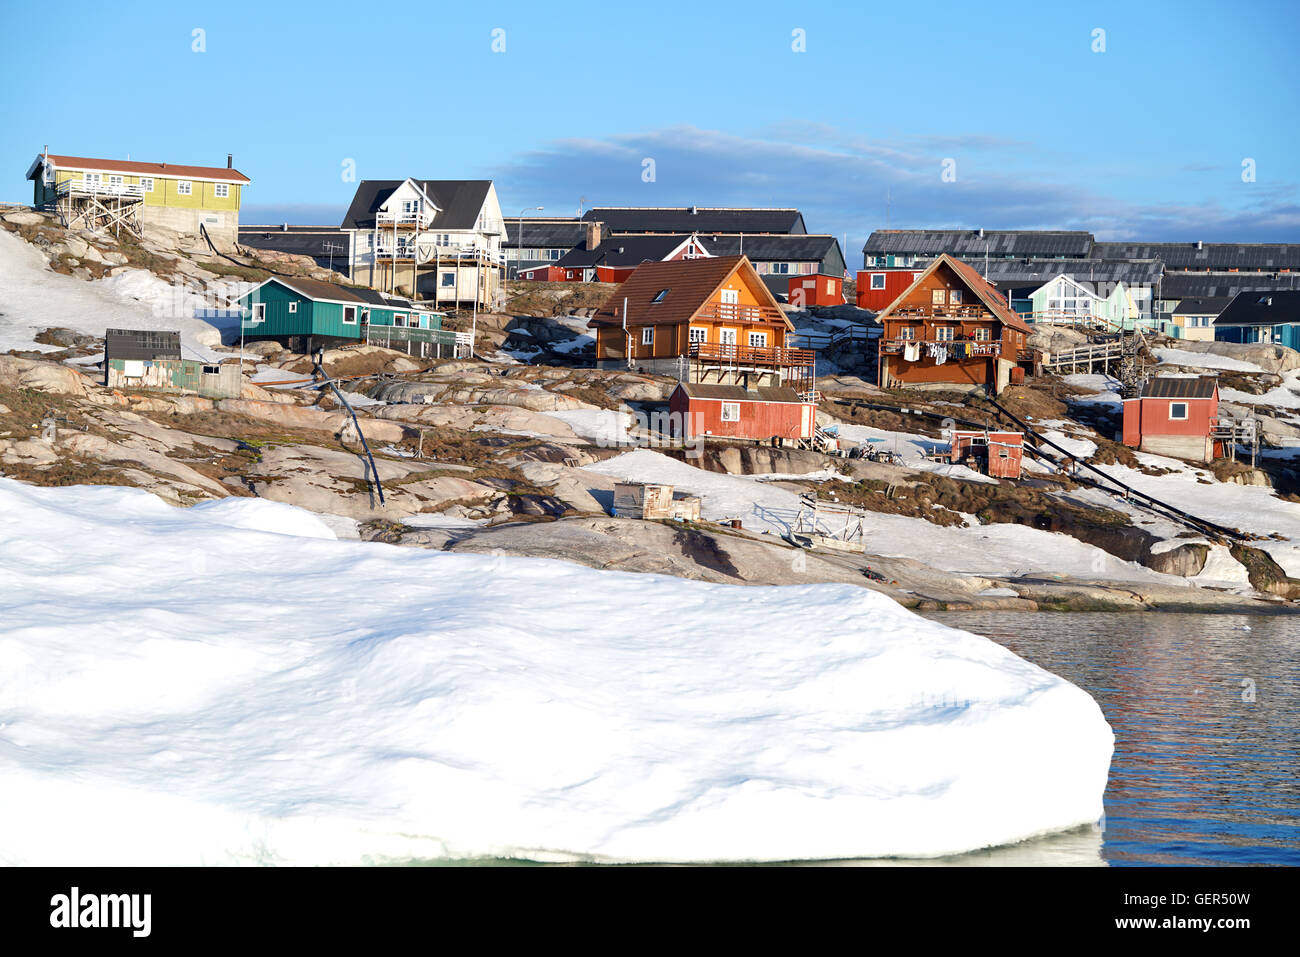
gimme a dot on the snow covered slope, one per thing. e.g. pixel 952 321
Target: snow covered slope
pixel 34 297
pixel 182 687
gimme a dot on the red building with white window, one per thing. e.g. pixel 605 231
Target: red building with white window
pixel 818 289
pixel 774 414
pixel 1175 416
pixel 877 288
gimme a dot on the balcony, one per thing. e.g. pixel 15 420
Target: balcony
pixel 896 346
pixel 730 312
pixel 776 357
pixel 418 220
pixel 85 187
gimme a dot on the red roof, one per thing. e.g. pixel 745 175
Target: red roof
pixel 148 169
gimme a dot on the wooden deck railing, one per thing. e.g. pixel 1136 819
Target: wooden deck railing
pixel 82 187
pixel 894 346
pixel 751 355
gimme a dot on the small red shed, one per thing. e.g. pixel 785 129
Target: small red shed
pixel 766 413
pixel 877 288
pixel 997 454
pixel 543 273
pixel 1174 415
pixel 819 289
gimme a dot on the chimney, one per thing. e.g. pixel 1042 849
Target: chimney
pixel 230 161
pixel 1198 244
pixel 695 210
pixel 593 235
pixel 981 232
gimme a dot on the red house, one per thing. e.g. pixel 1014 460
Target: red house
pixel 996 454
pixel 547 272
pixel 772 414
pixel 877 288
pixel 1175 416
pixel 818 289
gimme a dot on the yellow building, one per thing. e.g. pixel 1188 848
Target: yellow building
pixel 125 194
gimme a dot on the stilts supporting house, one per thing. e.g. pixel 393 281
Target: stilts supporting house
pixel 86 203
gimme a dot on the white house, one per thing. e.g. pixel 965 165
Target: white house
pixel 442 240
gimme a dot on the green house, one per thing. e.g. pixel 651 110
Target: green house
pixel 306 313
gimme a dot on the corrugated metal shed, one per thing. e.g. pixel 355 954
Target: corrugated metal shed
pixel 141 344
pixel 1180 387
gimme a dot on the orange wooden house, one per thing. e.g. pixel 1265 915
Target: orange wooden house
pixel 950 327
pixel 701 320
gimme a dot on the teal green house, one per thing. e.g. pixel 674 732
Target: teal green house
pixel 306 313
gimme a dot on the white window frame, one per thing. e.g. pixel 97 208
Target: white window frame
pixel 698 335
pixel 146 184
pixel 906 332
pixel 259 314
pixel 731 412
pixel 221 191
pixel 727 337
pixel 1174 405
pixel 943 333
pixel 730 297
pixel 647 335
pixel 954 297
pixel 399 319
pixel 874 277
pixel 349 310
pixel 184 187
pixel 938 297
pixel 757 340
pixel 293 307
pixel 983 334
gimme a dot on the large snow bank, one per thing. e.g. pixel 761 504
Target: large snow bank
pixel 177 691
pixel 35 298
pixel 1203 360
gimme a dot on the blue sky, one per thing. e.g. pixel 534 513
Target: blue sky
pixel 1143 140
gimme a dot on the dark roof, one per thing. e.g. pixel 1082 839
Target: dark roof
pixel 1202 307
pixel 691 219
pixel 316 289
pixel 738 393
pixel 1180 387
pixel 1261 309
pixel 302 240
pixel 1021 273
pixel 141 344
pixel 621 251
pixel 1179 285
pixel 968 243
pixel 796 248
pixel 995 301
pixel 536 233
pixel 459 200
pixel 687 285
pixel 1254 256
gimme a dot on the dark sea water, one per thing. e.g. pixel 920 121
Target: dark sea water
pixel 1206 714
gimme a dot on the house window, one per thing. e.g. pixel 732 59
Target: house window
pixel 982 334
pixel 659 296
pixel 758 340
pixel 349 315
pixel 648 336
pixel 877 280
pixel 727 337
pixel 449 279
pixel 938 297
pixel 146 183
pixel 783 268
pixel 184 187
pixel 731 297
pixel 259 313
pixel 830 287
pixel 1177 410
pixel 222 190
pixel 943 333
pixel 116 181
pixel 906 332
pixel 293 307
pixel 954 297
pixel 699 334
pixel 212 370
pixel 399 319
pixel 731 412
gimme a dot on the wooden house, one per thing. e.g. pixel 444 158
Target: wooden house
pixel 819 289
pixel 654 502
pixel 1175 416
pixel 997 454
pixel 768 414
pixel 305 313
pixel 1270 317
pixel 1064 300
pixel 1194 319
pixel 148 359
pixel 950 328
pixel 701 320
pixel 442 240
pixel 112 195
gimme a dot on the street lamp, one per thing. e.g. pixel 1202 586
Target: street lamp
pixel 519 242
